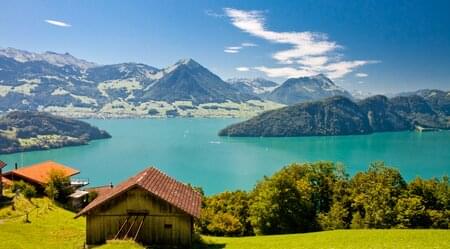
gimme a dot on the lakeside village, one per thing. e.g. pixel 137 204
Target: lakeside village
pixel 150 207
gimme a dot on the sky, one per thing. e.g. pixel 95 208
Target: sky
pixel 380 46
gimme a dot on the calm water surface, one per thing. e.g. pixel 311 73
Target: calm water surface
pixel 191 151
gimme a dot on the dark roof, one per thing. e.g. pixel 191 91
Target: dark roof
pixel 159 184
pixel 2 164
pixel 100 190
pixel 40 172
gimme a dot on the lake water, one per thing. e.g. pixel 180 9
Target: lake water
pixel 191 151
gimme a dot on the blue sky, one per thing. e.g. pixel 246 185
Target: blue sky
pixel 374 46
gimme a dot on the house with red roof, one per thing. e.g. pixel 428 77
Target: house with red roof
pixel 150 207
pixel 38 174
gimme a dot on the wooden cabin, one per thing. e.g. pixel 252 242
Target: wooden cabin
pixel 151 208
pixel 38 174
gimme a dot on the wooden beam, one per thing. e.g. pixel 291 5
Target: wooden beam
pixel 139 228
pixel 121 227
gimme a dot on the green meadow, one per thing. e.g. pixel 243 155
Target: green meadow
pixel 52 227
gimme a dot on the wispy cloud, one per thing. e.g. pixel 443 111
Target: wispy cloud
pixel 230 51
pixel 237 49
pixel 213 14
pixel 248 44
pixel 310 52
pixel 58 23
pixel 361 75
pixel 243 69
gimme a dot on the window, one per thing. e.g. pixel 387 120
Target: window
pixel 168 226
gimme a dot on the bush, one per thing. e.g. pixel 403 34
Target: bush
pixel 27 190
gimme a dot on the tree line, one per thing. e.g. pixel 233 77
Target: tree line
pixel 321 196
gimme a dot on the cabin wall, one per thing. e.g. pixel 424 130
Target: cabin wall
pixel 165 224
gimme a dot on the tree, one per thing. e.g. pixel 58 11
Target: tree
pixel 290 200
pixel 374 196
pixel 58 187
pixel 226 214
pixel 411 213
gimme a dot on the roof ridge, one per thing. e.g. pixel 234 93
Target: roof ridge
pixel 158 183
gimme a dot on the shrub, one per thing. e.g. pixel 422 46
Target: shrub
pixel 21 187
pixel 225 214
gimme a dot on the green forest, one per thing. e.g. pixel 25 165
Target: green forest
pixel 321 196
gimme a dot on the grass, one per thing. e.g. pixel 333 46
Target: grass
pixel 49 226
pixel 348 239
pixel 52 227
pixel 120 245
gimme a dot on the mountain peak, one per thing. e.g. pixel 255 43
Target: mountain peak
pixel 303 89
pixel 50 57
pixel 188 62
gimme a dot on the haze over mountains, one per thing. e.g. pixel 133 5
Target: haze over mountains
pixel 64 84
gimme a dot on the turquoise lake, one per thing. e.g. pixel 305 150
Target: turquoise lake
pixel 191 151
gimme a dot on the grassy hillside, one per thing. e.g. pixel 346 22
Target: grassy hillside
pixel 51 227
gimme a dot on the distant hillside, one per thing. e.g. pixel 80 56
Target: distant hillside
pixel 439 100
pixel 341 116
pixel 26 130
pixel 297 90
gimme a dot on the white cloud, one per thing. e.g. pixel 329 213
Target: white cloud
pixel 341 68
pixel 58 23
pixel 243 69
pixel 313 61
pixel 234 48
pixel 237 49
pixel 310 52
pixel 361 75
pixel 231 51
pixel 285 72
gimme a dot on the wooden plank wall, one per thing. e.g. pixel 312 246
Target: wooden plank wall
pixel 104 222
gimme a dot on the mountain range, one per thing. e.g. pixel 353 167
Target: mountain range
pixel 62 83
pixel 69 86
pixel 341 116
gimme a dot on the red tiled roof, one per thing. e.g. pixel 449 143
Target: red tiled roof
pixel 100 190
pixel 2 164
pixel 158 184
pixel 39 172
